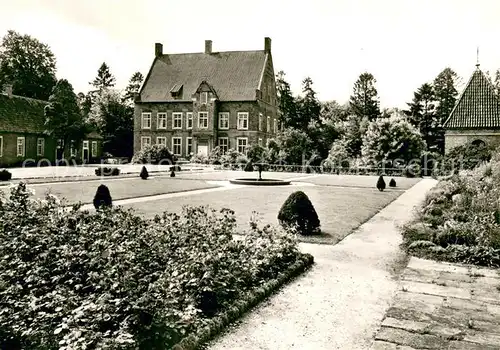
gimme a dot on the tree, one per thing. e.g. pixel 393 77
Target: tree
pixel 333 111
pixel 364 100
pixel 27 64
pixel 422 115
pixel 287 104
pixel 295 146
pixel 445 90
pixel 63 119
pixel 134 84
pixel 104 78
pixel 390 139
pixel 308 105
pixel 354 129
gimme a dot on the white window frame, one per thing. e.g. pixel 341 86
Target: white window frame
pixel 1 146
pixel 242 117
pixel 224 115
pixel 204 98
pixel 189 120
pixel 275 126
pixel 72 148
pixel 268 124
pixel 143 144
pixel 238 144
pixel 161 116
pixel 260 121
pixel 180 146
pixel 23 144
pixel 40 147
pixel 145 116
pixel 93 147
pixel 189 142
pixel 177 116
pixel 226 145
pixel 260 142
pixel 199 120
pixel 158 138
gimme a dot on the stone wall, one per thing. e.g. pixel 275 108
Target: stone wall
pixel 455 138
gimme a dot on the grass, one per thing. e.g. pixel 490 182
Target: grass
pixel 84 191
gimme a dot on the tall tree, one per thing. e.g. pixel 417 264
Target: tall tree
pixel 134 84
pixel 104 78
pixel 354 129
pixel 445 90
pixel 422 115
pixel 364 101
pixel 309 106
pixel 287 104
pixel 27 64
pixel 63 119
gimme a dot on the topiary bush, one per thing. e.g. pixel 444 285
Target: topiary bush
pixel 392 183
pixel 5 175
pixel 248 166
pixel 381 183
pixel 172 173
pixel 298 214
pixel 106 171
pixel 144 173
pixel 102 197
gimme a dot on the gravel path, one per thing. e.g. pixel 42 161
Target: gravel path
pixel 341 301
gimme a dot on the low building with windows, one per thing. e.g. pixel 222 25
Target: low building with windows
pixel 22 134
pixel 475 119
pixel 193 102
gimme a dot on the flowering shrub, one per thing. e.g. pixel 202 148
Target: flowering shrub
pixel 71 279
pixel 461 218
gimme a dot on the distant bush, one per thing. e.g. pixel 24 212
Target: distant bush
pixel 248 166
pixel 106 171
pixel 392 183
pixel 298 213
pixel 144 173
pixel 5 175
pixel 381 183
pixel 172 173
pixel 102 197
pixel 175 168
pixel 154 154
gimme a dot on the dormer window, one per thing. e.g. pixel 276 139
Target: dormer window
pixel 204 98
pixel 176 91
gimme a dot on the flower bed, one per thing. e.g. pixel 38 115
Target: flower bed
pixel 71 279
pixel 460 219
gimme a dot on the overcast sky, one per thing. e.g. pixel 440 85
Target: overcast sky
pixel 403 43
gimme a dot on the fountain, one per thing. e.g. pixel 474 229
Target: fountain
pixel 260 181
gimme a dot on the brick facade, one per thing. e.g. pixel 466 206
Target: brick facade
pixel 455 138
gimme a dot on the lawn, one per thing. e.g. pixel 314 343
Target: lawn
pixel 340 209
pixel 84 191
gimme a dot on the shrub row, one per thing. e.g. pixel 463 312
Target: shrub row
pixel 107 171
pixel 73 279
pixel 5 175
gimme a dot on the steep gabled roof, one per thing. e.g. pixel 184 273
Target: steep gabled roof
pixel 234 75
pixel 477 107
pixel 21 114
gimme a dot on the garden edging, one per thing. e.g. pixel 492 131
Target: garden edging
pixel 243 305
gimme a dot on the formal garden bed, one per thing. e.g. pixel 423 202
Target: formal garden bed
pixel 460 219
pixel 73 279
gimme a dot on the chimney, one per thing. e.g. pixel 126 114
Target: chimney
pixel 158 49
pixel 267 44
pixel 208 46
pixel 7 90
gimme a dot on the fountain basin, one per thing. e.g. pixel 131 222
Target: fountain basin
pixel 262 182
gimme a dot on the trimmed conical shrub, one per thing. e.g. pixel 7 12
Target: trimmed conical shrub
pixel 381 183
pixel 144 173
pixel 392 183
pixel 299 214
pixel 102 197
pixel 172 174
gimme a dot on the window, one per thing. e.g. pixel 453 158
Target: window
pixel 243 120
pixel 162 120
pixel 189 116
pixel 260 122
pixel 1 146
pixel 72 148
pixel 224 144
pixel 275 126
pixel 224 120
pixel 93 149
pixel 21 149
pixel 146 121
pixel 40 146
pixel 177 145
pixel 160 140
pixel 242 144
pixel 204 98
pixel 203 120
pixel 268 124
pixel 189 145
pixel 260 142
pixel 145 141
pixel 177 120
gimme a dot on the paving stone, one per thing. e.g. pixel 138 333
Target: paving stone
pixel 483 338
pixel 422 302
pixel 419 341
pixel 382 345
pixel 485 272
pixel 488 327
pixel 463 345
pixel 433 289
pixel 424 264
pixel 409 325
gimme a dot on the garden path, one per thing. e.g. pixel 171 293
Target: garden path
pixel 341 301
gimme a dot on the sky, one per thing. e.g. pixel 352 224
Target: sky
pixel 403 43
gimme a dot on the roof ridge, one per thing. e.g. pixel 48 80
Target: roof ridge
pixel 213 52
pixel 25 98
